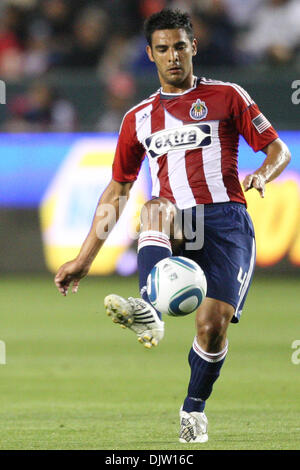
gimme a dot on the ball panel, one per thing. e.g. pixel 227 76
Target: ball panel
pixel 189 305
pixel 183 262
pixel 184 303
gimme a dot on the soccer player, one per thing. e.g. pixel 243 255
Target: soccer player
pixel 189 130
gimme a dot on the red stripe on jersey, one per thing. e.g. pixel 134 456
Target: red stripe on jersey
pixel 157 116
pixel 196 176
pixel 163 176
pixel 229 140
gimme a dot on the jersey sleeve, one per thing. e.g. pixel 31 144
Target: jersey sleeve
pixel 129 153
pixel 250 121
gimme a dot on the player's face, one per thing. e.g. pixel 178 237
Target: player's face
pixel 172 52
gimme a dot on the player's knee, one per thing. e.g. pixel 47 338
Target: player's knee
pixel 212 327
pixel 158 214
pixel 211 335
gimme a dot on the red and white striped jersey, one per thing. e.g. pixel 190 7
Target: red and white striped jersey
pixel 191 140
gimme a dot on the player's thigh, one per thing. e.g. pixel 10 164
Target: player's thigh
pixel 228 254
pixel 161 215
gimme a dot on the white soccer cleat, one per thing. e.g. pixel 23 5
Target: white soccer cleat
pixel 137 315
pixel 193 427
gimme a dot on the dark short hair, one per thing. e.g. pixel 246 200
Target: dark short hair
pixel 168 19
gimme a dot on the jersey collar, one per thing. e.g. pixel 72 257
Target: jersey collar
pixel 169 96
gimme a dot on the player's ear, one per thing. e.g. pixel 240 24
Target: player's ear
pixel 149 52
pixel 194 47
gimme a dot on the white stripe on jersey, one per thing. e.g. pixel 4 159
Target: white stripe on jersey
pixel 143 129
pixel 143 122
pixel 177 171
pixel 154 167
pixel 243 93
pixel 212 168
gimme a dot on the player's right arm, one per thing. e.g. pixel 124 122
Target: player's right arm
pixel 107 213
pixel 127 162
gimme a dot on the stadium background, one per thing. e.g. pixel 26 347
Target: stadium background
pixel 71 70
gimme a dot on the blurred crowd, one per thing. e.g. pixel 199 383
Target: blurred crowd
pixel 106 37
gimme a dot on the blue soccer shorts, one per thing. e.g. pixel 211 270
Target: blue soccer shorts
pixel 227 256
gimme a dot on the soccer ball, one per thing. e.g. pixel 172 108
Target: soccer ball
pixel 176 286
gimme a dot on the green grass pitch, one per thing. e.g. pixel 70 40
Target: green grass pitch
pixel 74 380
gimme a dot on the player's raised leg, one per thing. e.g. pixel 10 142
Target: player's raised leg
pixel 206 358
pixel 157 226
pixel 157 222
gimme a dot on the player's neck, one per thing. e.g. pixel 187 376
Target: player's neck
pixel 184 86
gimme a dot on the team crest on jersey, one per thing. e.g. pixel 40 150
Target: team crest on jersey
pixel 187 137
pixel 198 110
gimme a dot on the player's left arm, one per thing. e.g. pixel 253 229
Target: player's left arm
pixel 278 157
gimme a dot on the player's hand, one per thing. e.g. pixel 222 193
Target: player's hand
pixel 255 181
pixel 70 272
